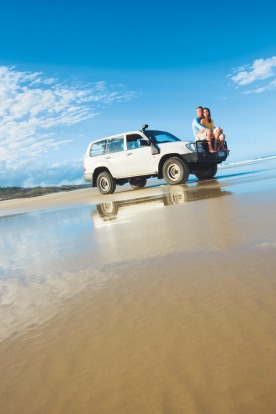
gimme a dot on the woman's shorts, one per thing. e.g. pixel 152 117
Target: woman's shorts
pixel 201 136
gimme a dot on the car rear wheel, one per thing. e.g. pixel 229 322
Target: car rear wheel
pixel 138 182
pixel 207 172
pixel 106 183
pixel 175 171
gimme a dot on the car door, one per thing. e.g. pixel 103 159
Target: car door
pixel 139 159
pixel 115 156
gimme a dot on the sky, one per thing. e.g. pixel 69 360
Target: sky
pixel 75 71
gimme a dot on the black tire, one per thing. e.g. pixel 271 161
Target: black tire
pixel 204 173
pixel 138 182
pixel 106 183
pixel 175 171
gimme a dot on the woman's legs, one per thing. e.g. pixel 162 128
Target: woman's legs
pixel 209 136
pixel 221 146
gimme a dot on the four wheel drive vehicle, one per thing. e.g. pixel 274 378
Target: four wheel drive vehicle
pixel 138 155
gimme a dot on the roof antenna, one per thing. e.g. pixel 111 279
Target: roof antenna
pixel 144 127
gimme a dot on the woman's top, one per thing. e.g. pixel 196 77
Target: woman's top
pixel 207 124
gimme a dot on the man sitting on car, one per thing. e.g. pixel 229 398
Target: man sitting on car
pixel 202 133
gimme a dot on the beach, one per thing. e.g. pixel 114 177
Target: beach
pixel 159 300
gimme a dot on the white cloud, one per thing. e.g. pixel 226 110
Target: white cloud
pixel 32 106
pixel 269 86
pixel 39 174
pixel 258 72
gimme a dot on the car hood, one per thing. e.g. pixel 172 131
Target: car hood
pixel 178 146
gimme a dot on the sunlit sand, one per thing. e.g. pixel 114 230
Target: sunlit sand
pixel 159 300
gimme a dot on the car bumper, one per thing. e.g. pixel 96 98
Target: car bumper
pixel 87 177
pixel 205 156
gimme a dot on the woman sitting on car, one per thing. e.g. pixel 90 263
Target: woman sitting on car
pixel 219 137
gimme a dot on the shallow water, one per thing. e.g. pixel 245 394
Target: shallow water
pixel 159 300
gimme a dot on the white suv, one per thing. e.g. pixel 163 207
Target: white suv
pixel 138 155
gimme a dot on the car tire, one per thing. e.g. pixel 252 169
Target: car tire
pixel 138 182
pixel 106 183
pixel 175 171
pixel 205 173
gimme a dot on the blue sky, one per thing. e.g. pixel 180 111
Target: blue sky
pixel 75 71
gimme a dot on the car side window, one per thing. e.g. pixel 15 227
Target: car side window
pixel 133 141
pixel 98 148
pixel 115 144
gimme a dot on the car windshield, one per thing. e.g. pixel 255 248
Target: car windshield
pixel 159 137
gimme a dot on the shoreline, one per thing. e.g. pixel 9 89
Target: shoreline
pixel 245 178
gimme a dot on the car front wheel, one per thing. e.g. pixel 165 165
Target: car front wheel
pixel 106 183
pixel 175 171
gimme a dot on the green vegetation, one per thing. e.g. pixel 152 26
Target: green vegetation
pixel 9 193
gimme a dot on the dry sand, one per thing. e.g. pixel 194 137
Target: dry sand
pixel 155 301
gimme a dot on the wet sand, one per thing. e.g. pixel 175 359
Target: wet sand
pixel 159 300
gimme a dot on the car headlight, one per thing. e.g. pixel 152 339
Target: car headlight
pixel 191 146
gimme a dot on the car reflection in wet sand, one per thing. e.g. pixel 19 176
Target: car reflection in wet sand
pixel 177 194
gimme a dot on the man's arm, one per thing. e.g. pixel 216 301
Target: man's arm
pixel 197 127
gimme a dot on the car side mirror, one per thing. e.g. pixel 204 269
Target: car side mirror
pixel 154 150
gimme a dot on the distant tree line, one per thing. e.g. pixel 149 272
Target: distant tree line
pixel 8 193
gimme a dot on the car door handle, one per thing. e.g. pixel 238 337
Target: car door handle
pixel 107 158
pixel 129 153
